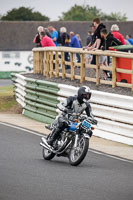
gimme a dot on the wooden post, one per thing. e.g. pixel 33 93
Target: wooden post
pixel 37 62
pixel 113 71
pixel 34 62
pixel 132 75
pixel 47 64
pixel 56 64
pixel 97 70
pixel 72 66
pixel 51 64
pixel 44 64
pixel 41 55
pixel 63 65
pixel 82 68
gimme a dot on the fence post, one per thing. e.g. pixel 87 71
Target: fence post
pixel 82 68
pixel 97 70
pixel 41 55
pixel 36 62
pixel 44 64
pixel 56 64
pixel 113 71
pixel 72 66
pixel 51 64
pixel 132 75
pixel 63 65
pixel 47 64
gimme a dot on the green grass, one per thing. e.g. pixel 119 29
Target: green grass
pixel 7 99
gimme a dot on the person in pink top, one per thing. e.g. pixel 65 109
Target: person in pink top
pixel 116 34
pixel 46 41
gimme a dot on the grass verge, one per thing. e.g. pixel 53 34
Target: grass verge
pixel 7 99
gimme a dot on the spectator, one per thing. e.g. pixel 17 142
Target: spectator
pixel 78 36
pixel 116 34
pixel 46 41
pixel 97 41
pixel 75 43
pixel 54 34
pixel 89 38
pixel 109 40
pixel 127 42
pixel 64 37
pixel 96 38
pixel 129 38
pixel 88 57
pixel 47 32
pixel 36 39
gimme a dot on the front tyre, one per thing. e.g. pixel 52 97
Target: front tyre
pixel 47 155
pixel 77 154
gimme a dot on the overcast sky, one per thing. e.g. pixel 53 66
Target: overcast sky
pixel 54 8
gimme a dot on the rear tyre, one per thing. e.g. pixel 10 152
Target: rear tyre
pixel 47 155
pixel 77 155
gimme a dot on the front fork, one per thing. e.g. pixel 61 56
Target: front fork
pixel 86 135
pixel 76 141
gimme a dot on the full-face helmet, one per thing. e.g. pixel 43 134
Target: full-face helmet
pixel 84 94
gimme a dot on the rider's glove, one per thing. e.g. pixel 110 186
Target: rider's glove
pixel 65 110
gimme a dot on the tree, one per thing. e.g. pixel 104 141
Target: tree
pixel 24 14
pixel 88 13
pixel 114 17
pixel 80 13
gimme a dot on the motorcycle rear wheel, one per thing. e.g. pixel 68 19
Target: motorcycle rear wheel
pixel 77 155
pixel 47 155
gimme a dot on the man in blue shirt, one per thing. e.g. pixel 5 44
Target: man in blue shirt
pixel 75 44
pixel 74 41
pixel 54 34
pixel 130 39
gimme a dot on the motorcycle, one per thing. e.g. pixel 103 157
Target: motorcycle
pixel 73 142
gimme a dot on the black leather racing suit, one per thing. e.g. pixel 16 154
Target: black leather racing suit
pixel 75 106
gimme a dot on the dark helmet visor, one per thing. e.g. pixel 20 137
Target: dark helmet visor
pixel 87 96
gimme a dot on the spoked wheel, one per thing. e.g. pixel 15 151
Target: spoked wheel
pixel 47 155
pixel 78 154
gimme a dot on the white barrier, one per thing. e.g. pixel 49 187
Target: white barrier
pixel 114 100
pixel 113 112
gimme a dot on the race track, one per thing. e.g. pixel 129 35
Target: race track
pixel 5 82
pixel 24 175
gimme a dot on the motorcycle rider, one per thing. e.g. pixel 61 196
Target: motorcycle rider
pixel 73 104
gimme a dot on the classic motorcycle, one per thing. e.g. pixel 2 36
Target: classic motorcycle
pixel 73 142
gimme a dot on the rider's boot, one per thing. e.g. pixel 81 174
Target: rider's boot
pixel 53 136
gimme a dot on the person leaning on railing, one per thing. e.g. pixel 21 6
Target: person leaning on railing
pixel 109 41
pixel 46 41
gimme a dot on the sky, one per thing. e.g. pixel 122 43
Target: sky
pixel 54 8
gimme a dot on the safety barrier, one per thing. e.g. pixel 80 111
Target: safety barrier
pixel 39 100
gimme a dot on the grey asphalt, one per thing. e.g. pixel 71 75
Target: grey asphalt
pixel 5 82
pixel 24 175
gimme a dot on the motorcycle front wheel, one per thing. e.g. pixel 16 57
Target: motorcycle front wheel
pixel 47 155
pixel 77 154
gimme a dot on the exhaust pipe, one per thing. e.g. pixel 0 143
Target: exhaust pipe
pixel 44 144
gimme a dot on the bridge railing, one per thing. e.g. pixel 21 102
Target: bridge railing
pixel 50 62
